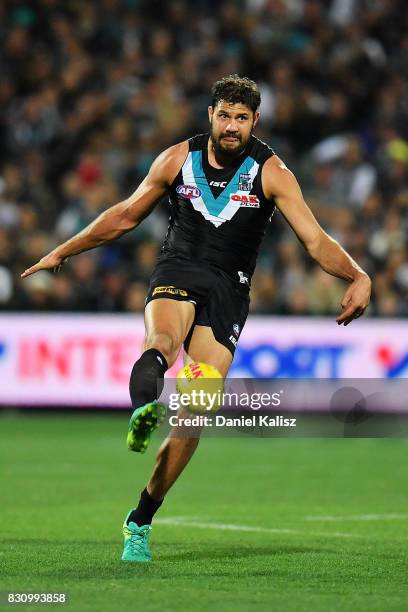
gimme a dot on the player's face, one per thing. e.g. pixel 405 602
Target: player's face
pixel 231 127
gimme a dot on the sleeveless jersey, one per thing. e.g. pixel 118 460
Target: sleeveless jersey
pixel 219 216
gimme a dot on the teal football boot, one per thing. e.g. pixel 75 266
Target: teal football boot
pixel 136 544
pixel 142 424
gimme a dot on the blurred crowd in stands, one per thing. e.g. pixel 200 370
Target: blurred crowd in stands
pixel 91 92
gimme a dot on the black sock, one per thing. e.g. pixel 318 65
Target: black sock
pixel 145 511
pixel 146 381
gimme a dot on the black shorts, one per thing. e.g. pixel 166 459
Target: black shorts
pixel 220 301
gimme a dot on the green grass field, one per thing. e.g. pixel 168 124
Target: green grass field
pixel 67 482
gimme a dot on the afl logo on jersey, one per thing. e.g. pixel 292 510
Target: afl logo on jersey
pixel 188 191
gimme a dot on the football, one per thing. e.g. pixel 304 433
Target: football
pixel 203 384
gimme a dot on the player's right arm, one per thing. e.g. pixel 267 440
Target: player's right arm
pixel 122 217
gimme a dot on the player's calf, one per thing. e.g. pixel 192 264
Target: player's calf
pixel 146 380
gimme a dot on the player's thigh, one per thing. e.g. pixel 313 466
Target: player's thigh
pixel 168 320
pixel 204 347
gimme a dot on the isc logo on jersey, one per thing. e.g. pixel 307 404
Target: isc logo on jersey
pixel 246 201
pixel 188 191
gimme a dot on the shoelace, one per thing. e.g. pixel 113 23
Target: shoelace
pixel 137 541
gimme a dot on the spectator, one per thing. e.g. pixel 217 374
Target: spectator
pixel 91 92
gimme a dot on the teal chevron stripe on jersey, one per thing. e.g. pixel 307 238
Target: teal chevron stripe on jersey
pixel 216 205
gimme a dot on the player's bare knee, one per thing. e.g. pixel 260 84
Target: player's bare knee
pixel 166 343
pixel 179 441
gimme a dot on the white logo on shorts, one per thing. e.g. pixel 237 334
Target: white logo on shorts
pixel 233 340
pixel 236 329
pixel 243 278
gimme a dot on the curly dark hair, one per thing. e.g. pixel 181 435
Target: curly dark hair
pixel 236 90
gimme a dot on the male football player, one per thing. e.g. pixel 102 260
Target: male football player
pixel 223 188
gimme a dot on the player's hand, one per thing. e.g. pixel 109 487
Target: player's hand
pixel 51 261
pixel 355 300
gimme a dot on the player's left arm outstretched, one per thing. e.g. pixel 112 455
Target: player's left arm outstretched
pixel 280 183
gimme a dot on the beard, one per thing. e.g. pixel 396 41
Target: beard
pixel 223 149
